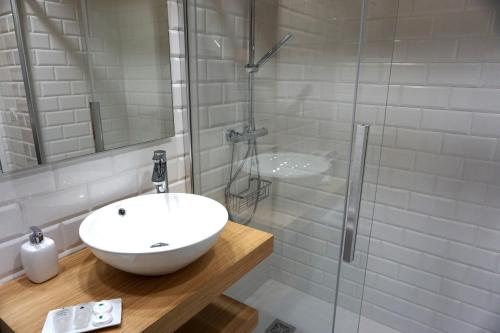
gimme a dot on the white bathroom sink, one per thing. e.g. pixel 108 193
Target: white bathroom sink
pixel 154 234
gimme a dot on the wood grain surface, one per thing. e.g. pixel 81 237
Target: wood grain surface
pixel 224 315
pixel 150 304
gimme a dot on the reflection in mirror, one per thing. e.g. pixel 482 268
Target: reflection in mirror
pixel 129 52
pixel 17 149
pixel 98 71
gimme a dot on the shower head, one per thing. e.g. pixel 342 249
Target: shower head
pixel 265 58
pixel 251 68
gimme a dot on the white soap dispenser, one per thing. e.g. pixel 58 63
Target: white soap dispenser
pixel 39 257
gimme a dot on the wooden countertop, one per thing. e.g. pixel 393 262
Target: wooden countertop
pixel 150 304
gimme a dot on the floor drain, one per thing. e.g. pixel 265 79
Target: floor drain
pixel 279 326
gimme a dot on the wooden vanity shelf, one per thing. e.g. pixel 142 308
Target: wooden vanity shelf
pixel 189 300
pixel 224 315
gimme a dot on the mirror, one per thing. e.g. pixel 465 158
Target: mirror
pixel 80 77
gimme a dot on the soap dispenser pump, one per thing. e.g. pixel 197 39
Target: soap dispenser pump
pixel 39 257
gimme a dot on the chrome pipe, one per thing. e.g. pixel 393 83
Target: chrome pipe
pixel 251 37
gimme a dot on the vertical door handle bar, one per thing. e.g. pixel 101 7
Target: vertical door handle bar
pixel 97 131
pixel 354 191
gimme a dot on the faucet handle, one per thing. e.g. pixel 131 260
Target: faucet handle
pixel 160 156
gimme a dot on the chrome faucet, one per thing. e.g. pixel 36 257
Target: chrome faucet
pixel 160 174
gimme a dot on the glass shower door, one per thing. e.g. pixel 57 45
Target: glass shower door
pixel 310 103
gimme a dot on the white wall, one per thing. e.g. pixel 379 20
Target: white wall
pixel 57 197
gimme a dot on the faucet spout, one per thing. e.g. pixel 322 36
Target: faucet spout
pixel 159 178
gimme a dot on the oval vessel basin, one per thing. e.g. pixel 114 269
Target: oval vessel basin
pixel 154 234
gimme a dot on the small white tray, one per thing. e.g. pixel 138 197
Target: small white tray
pixel 116 313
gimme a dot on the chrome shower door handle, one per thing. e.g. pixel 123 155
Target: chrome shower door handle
pixel 96 122
pixel 354 191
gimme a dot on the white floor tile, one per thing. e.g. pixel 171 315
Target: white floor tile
pixel 307 313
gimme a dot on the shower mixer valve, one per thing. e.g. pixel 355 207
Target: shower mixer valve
pixel 247 134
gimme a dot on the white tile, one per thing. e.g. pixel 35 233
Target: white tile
pixel 491 75
pixel 446 121
pixel 54 232
pixel 472 256
pixel 30 184
pixel 423 96
pixel 479 317
pixel 59 118
pixel 70 231
pixel 397 158
pixel 403 117
pixel 443 5
pixel 484 124
pixel 425 243
pixel 467 99
pixel 481 171
pixel 414 27
pixel 112 188
pixel 10 258
pixel 83 172
pixel 431 50
pixel 438 164
pixel 68 73
pixel 408 73
pixel 461 190
pixel 50 57
pixel 469 146
pixel 419 140
pixel 478 215
pixel 11 222
pixel 465 293
pixel 467 23
pixel 432 205
pixel 48 208
pixel 220 70
pixel 454 75
pixel 437 302
pixel 59 10
pixel 415 181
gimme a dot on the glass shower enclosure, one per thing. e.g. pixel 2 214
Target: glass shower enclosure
pixel 279 136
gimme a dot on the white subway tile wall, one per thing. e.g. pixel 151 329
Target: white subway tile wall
pixel 57 47
pixel 304 98
pixel 17 150
pixel 438 265
pixel 57 197
pixel 130 77
pixel 433 262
